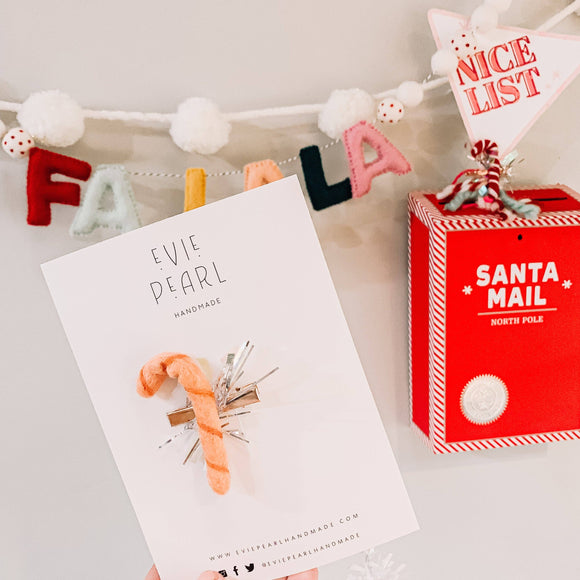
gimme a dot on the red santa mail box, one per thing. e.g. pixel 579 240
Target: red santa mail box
pixel 495 323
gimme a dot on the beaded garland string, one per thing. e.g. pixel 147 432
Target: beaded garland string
pixel 53 118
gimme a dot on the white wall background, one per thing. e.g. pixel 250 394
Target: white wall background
pixel 64 513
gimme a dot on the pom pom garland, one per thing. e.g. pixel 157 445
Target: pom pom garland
pixel 499 5
pixel 344 109
pixel 53 118
pixel 484 18
pixel 200 127
pixel 410 93
pixel 443 62
pixel 69 127
pixel 17 143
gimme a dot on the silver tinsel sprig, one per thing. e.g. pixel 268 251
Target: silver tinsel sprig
pixel 231 400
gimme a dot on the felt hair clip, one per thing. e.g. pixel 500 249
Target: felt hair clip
pixel 208 405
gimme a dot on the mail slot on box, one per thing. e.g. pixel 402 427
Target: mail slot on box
pixel 495 322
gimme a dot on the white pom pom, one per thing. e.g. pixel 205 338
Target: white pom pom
pixel 484 18
pixel 17 143
pixel 344 109
pixel 53 118
pixel 499 5
pixel 410 93
pixel 2 128
pixel 200 127
pixel 443 62
pixel 390 110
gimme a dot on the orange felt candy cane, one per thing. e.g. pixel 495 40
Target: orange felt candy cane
pixel 201 395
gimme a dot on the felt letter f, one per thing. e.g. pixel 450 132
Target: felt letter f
pixel 42 190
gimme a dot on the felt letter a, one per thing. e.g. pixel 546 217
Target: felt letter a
pixel 389 158
pixel 321 194
pixel 92 212
pixel 42 190
pixel 261 173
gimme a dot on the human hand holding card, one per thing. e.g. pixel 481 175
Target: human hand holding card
pixel 209 575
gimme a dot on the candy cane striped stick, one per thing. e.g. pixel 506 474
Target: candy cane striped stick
pixel 481 150
pixel 485 147
pixel 200 393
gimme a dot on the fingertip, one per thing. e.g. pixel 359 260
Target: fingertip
pixel 308 575
pixel 152 574
pixel 209 575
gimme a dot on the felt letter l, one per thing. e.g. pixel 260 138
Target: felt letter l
pixel 321 194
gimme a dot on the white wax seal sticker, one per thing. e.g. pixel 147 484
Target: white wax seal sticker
pixel 484 399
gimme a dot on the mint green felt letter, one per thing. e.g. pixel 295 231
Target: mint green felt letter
pixel 92 214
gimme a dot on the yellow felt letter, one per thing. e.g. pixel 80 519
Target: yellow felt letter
pixel 194 188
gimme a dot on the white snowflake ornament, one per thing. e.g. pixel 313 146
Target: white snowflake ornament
pixel 464 44
pixel 17 143
pixel 376 566
pixel 390 110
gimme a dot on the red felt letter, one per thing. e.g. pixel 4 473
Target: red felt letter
pixel 42 190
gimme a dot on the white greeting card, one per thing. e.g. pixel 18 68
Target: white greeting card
pixel 318 480
pixel 511 79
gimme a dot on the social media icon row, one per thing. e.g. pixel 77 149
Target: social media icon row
pixel 248 567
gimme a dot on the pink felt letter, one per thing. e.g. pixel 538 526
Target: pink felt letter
pixel 389 158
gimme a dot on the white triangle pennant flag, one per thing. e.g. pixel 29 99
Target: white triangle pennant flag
pixel 513 77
